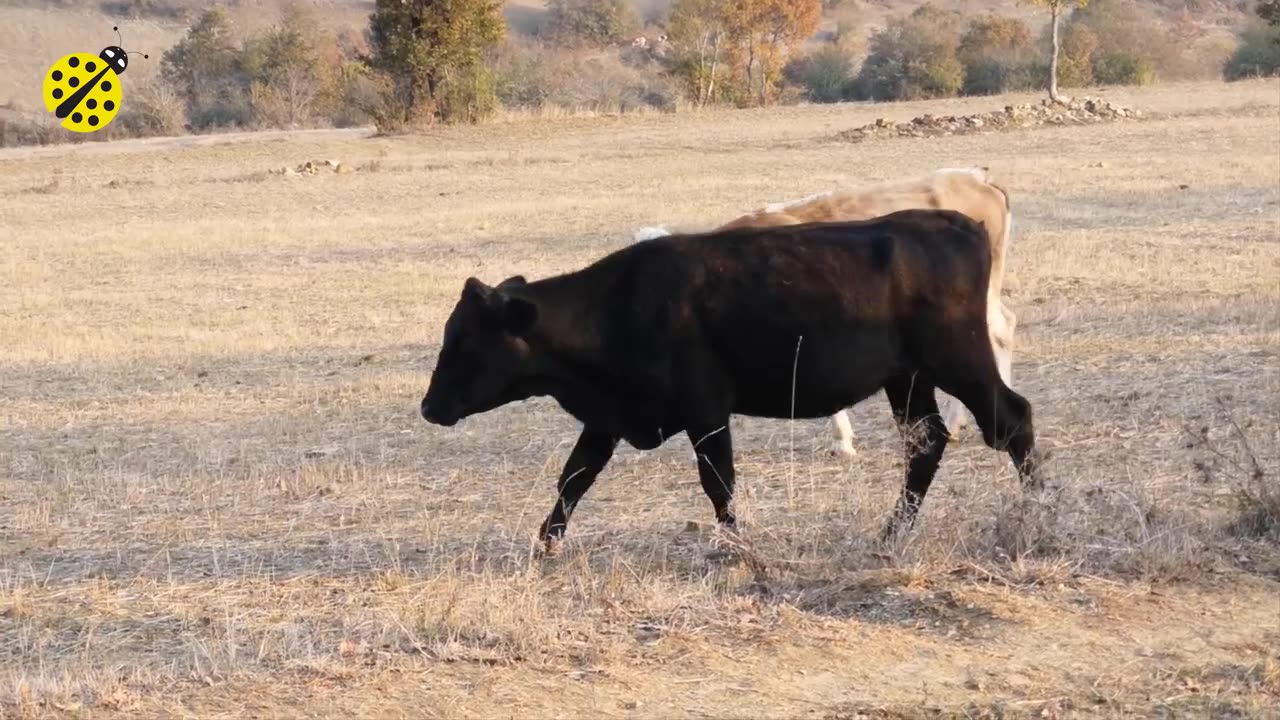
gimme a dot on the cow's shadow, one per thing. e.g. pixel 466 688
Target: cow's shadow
pixel 881 598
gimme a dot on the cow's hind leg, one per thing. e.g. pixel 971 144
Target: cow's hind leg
pixel 843 435
pixel 916 409
pixel 588 457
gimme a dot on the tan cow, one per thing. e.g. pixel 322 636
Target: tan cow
pixel 967 190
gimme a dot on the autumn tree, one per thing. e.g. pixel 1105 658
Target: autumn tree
pixel 762 33
pixel 738 48
pixel 996 52
pixel 431 56
pixel 697 31
pixel 1056 9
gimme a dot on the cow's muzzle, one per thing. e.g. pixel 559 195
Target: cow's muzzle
pixel 432 413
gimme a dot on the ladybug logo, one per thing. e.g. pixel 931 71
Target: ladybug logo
pixel 83 91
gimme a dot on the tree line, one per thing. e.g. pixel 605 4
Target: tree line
pixel 424 61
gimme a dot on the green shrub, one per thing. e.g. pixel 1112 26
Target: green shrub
pixel 1257 56
pixel 1123 69
pixel 992 76
pixel 1075 59
pixel 825 75
pixel 591 22
pixel 467 94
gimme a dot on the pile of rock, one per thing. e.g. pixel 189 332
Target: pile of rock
pixel 314 167
pixel 1079 111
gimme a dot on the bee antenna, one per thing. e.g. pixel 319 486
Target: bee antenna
pixel 118 35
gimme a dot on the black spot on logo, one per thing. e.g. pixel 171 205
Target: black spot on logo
pixel 106 85
pixel 91 104
pixel 77 118
pixel 57 76
pixel 73 81
pixel 74 62
pixel 93 119
pixel 108 106
pixel 57 93
pixel 90 67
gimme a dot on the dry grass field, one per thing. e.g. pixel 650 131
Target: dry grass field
pixel 217 498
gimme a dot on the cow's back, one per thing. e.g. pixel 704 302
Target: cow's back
pixel 966 191
pixel 826 310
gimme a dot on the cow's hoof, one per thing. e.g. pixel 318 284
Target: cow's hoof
pixel 843 451
pixel 552 545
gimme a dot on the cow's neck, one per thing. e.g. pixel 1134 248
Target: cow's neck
pixel 571 365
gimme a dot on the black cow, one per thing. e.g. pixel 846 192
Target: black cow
pixel 674 334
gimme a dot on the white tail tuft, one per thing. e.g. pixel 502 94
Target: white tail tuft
pixel 649 233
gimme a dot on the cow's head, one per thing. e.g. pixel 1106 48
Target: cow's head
pixel 483 355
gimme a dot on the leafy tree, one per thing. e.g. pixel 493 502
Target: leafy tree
pixel 430 54
pixel 592 22
pixel 737 49
pixel 1056 9
pixel 205 68
pixel 826 75
pixel 913 58
pixel 697 29
pixel 1121 68
pixel 1258 54
pixel 293 70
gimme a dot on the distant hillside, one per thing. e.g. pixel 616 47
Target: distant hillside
pixel 33 34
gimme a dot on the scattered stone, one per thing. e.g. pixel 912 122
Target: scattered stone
pixel 314 167
pixel 1079 111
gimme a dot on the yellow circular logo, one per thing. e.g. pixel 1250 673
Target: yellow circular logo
pixel 83 91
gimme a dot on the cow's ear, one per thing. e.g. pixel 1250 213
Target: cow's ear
pixel 513 281
pixel 476 289
pixel 518 316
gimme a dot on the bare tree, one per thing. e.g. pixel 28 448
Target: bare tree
pixel 1056 9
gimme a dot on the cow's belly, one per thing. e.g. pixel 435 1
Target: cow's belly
pixel 824 377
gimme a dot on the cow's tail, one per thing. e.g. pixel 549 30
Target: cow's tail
pixel 649 233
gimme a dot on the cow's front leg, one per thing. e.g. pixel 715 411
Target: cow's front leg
pixel 589 456
pixel 714 448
